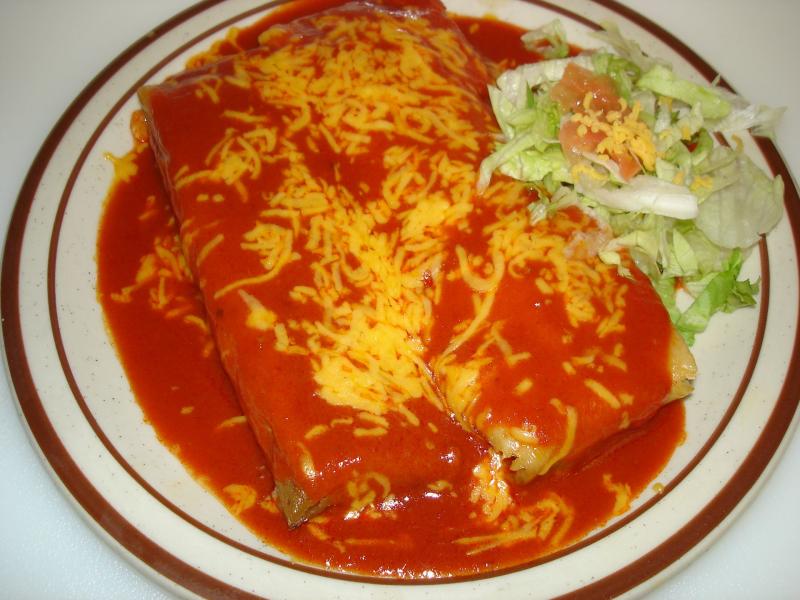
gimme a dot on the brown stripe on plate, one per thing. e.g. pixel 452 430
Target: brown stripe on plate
pixel 64 359
pixel 763 451
pixel 587 541
pixel 90 501
pixel 183 574
pixel 583 543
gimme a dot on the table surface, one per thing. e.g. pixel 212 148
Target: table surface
pixel 50 49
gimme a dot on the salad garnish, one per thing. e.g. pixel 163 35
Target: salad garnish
pixel 623 135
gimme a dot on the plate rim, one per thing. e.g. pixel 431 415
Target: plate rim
pixel 746 479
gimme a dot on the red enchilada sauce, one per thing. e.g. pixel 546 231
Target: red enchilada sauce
pixel 155 315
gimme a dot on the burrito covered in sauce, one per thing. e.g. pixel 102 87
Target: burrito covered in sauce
pixel 542 348
pixel 371 309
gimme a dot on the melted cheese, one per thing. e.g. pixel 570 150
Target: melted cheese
pixel 548 519
pixel 624 131
pixel 372 255
pixel 603 393
pixel 622 494
pixel 364 490
pixel 241 497
pixel 367 346
pixel 161 276
pixel 489 489
pixel 556 257
pixel 232 422
pixel 124 166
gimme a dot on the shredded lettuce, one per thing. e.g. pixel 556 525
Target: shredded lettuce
pixel 749 205
pixel 532 151
pixel 664 82
pixel 689 220
pixel 665 288
pixel 761 120
pixel 723 292
pixel 537 165
pixel 621 70
pixel 549 40
pixel 561 198
pixel 644 193
pixel 624 47
pixel 515 84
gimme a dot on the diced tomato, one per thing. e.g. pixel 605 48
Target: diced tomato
pixel 628 165
pixel 569 93
pixel 572 142
pixel 577 81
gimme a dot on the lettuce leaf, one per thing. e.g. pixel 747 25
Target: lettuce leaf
pixel 760 120
pixel 515 84
pixel 626 48
pixel 621 70
pixel 531 151
pixel 536 165
pixel 644 193
pixel 663 81
pixel 687 219
pixel 722 293
pixel 549 40
pixel 749 205
pixel 665 288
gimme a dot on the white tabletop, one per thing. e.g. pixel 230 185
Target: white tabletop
pixel 49 50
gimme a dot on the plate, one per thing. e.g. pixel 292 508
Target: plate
pixel 75 399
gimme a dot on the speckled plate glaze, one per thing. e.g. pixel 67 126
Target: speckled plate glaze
pixel 81 412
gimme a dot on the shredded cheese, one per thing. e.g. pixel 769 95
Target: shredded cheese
pixel 367 262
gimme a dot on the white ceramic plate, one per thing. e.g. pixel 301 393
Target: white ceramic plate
pixel 77 403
